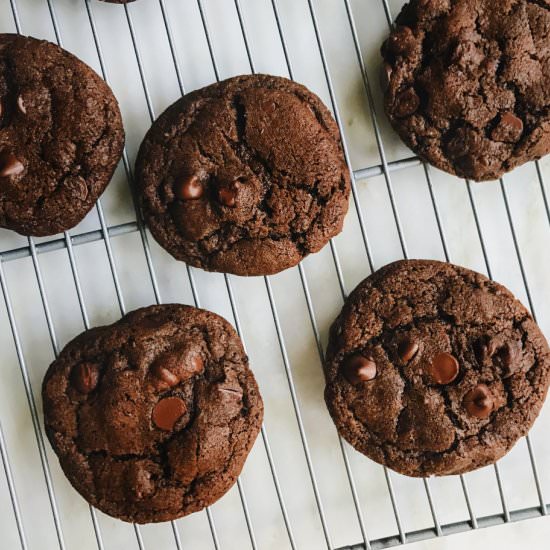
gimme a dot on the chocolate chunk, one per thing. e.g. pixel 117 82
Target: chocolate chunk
pixel 167 412
pixel 189 188
pixel 406 103
pixel 359 368
pixel 85 377
pixel 407 350
pixel 10 165
pixel 444 368
pixel 509 129
pixel 479 402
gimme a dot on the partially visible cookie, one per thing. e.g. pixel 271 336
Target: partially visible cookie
pixel 153 417
pixel 433 369
pixel 467 83
pixel 61 136
pixel 245 176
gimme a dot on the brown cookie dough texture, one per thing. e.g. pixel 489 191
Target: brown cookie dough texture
pixel 467 83
pixel 432 369
pixel 152 418
pixel 245 176
pixel 61 136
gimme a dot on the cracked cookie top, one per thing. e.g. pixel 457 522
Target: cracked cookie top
pixel 245 176
pixel 433 369
pixel 152 418
pixel 467 83
pixel 61 136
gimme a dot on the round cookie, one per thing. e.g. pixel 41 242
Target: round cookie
pixel 433 369
pixel 152 418
pixel 467 83
pixel 61 136
pixel 246 176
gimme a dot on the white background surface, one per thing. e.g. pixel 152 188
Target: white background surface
pixel 420 233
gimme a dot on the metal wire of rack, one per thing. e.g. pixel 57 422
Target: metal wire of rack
pixel 106 234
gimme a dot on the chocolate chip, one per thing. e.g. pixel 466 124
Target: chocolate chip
pixel 359 368
pixel 407 103
pixel 444 368
pixel 407 350
pixel 386 71
pixel 227 194
pixel 10 165
pixel 85 377
pixel 21 105
pixel 164 375
pixel 189 188
pixel 167 412
pixel 509 128
pixel 140 480
pixel 479 401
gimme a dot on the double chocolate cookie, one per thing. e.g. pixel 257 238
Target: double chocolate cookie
pixel 245 176
pixel 433 369
pixel 153 417
pixel 61 136
pixel 467 83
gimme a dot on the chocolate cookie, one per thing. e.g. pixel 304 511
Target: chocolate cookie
pixel 61 136
pixel 433 369
pixel 153 417
pixel 467 83
pixel 246 176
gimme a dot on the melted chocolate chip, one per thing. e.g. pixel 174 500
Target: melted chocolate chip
pixel 164 375
pixel 407 350
pixel 359 368
pixel 85 377
pixel 479 402
pixel 167 412
pixel 507 355
pixel 444 368
pixel 10 165
pixel 509 129
pixel 227 194
pixel 189 188
pixel 194 365
pixel 21 105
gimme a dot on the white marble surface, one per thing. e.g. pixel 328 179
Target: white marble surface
pixel 420 233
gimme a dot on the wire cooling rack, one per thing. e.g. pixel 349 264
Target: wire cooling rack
pixel 302 487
